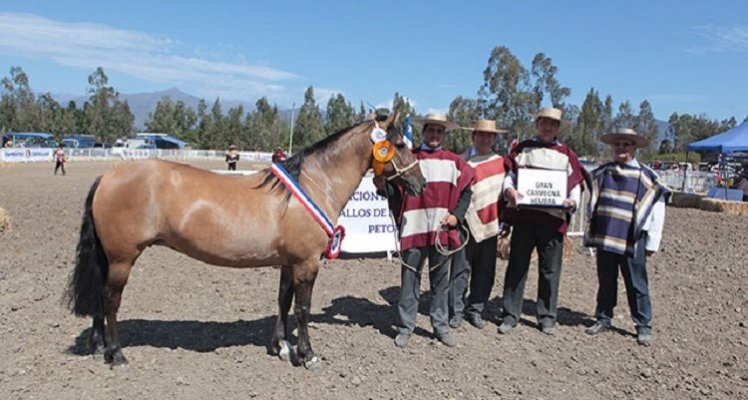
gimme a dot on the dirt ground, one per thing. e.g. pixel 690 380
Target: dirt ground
pixel 192 331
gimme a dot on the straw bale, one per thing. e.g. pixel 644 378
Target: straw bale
pixel 5 224
pixel 686 200
pixel 727 207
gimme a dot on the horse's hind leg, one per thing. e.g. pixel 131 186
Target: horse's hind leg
pixel 280 344
pixel 97 340
pixel 304 277
pixel 116 281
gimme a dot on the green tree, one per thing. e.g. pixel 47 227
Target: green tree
pixel 625 117
pixel 308 127
pixel 544 73
pixel 589 126
pixel 106 116
pixel 176 119
pixel 20 110
pixel 219 136
pixel 647 126
pixel 340 114
pixel 202 135
pixel 506 95
pixel 463 112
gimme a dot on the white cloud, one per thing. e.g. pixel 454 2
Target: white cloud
pixel 721 39
pixel 141 55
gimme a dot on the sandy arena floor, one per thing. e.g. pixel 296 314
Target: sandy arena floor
pixel 192 331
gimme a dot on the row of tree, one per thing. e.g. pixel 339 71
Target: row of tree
pixel 510 94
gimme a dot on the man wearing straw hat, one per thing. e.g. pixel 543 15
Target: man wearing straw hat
pixel 477 262
pixel 627 213
pixel 539 228
pixel 427 220
pixel 232 156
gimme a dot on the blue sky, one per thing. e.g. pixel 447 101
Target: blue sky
pixel 683 56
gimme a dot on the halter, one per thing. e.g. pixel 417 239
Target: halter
pixel 384 153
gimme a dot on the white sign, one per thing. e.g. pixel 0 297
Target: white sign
pixel 31 154
pixel 367 222
pixel 541 187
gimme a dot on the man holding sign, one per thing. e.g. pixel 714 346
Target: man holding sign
pixel 543 184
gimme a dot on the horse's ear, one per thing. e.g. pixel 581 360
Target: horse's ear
pixel 390 119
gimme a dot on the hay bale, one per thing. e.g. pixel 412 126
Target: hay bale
pixel 686 200
pixel 5 224
pixel 727 207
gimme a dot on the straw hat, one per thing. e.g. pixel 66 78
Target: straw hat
pixel 486 125
pixel 625 134
pixel 550 113
pixel 437 119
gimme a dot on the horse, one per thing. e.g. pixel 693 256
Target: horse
pixel 231 221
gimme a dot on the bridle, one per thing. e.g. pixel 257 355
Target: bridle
pixel 400 171
pixel 384 153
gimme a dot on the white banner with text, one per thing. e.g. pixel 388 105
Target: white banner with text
pixel 367 222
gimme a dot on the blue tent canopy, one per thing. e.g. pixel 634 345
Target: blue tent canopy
pixel 736 139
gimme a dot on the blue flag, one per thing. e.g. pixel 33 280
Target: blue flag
pixel 408 133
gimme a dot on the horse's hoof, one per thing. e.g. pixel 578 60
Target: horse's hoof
pixel 285 350
pixel 313 364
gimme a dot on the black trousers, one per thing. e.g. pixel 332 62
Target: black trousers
pixel 634 271
pixel 550 245
pixel 58 165
pixel 232 166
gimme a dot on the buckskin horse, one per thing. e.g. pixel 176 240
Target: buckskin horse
pixel 232 221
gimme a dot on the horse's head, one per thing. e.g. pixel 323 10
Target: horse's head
pixel 402 168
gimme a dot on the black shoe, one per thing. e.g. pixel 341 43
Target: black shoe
pixel 447 339
pixel 644 339
pixel 455 322
pixel 477 321
pixel 598 327
pixel 401 340
pixel 505 328
pixel 549 330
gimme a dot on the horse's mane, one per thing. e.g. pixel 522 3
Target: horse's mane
pixel 293 163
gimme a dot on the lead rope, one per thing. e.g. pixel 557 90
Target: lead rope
pixel 437 243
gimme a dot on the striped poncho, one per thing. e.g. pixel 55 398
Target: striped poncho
pixel 621 201
pixel 447 175
pixel 482 215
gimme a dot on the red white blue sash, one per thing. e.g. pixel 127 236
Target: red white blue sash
pixel 335 233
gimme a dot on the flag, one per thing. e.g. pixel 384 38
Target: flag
pixel 408 133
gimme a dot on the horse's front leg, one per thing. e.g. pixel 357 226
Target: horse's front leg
pixel 280 345
pixel 304 276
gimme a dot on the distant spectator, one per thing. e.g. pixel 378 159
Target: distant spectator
pixel 9 143
pixel 232 157
pixel 60 159
pixel 279 155
pixel 743 184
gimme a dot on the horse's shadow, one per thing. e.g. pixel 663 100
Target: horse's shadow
pixel 207 336
pixel 200 336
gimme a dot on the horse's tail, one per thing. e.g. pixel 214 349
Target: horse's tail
pixel 84 291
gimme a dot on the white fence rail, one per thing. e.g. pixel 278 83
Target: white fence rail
pixel 93 154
